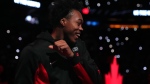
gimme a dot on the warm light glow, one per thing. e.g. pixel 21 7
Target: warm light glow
pixel 145 26
pixel 123 26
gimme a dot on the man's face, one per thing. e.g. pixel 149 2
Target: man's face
pixel 73 26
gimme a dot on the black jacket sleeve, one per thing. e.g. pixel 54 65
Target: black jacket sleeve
pixel 26 67
pixel 89 66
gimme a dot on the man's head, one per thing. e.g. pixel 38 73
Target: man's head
pixel 66 14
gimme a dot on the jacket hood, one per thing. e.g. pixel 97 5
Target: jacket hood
pixel 45 36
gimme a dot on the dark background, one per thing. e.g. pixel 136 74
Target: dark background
pixel 118 12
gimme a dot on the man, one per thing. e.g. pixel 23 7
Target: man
pixel 58 57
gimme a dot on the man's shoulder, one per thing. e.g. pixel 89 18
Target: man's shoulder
pixel 37 46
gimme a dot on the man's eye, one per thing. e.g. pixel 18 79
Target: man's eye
pixel 78 24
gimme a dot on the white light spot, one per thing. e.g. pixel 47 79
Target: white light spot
pixel 28 3
pixel 20 38
pixel 108 3
pixel 138 5
pixel 17 50
pixel 28 18
pixel 16 57
pixel 126 38
pixel 101 48
pixel 117 56
pixel 100 37
pixel 140 48
pixel 135 29
pixel 122 28
pixel 116 39
pixel 112 50
pixel 127 70
pixel 135 12
pixel 8 31
pixel 86 2
pixel 32 20
pixel 110 46
pixel 98 4
pixel 16 1
pixel 145 68
pixel 148 13
pixel 108 40
pixel 52 3
pixel 115 0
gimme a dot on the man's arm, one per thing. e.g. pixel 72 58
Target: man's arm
pixel 26 68
pixel 91 68
pixel 85 67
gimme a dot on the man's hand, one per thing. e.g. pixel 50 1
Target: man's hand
pixel 62 47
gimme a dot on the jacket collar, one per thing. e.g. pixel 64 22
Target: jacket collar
pixel 46 36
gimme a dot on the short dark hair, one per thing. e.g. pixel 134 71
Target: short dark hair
pixel 60 9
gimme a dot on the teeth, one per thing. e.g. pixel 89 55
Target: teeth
pixel 78 34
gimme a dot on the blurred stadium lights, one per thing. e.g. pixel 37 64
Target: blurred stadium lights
pixel 86 2
pixel 106 12
pixel 123 26
pixel 141 12
pixel 92 23
pixel 85 11
pixel 145 26
pixel 31 20
pixel 28 3
pixel 134 26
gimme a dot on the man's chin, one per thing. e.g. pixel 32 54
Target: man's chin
pixel 73 41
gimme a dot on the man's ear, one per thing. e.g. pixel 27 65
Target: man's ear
pixel 63 21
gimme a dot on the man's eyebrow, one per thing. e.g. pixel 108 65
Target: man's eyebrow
pixel 81 20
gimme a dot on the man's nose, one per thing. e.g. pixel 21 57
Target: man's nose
pixel 81 28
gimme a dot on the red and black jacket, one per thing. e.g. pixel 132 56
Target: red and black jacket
pixel 40 65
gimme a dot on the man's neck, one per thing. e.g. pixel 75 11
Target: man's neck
pixel 57 33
